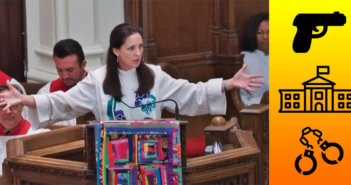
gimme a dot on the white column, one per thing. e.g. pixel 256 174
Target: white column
pixel 87 21
pixel 61 19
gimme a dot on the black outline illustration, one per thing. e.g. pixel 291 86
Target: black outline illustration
pixel 317 96
pixel 309 153
pixel 307 23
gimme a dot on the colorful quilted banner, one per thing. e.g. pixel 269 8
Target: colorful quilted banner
pixel 138 152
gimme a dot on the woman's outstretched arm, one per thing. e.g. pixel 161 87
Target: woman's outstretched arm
pixel 243 81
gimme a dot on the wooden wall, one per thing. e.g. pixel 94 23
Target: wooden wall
pixel 184 27
pixel 12 53
pixel 192 33
pixel 244 9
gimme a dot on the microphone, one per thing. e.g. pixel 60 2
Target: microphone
pixel 160 101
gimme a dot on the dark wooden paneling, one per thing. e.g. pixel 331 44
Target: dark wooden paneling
pixel 244 10
pixel 12 38
pixel 177 30
pixel 182 27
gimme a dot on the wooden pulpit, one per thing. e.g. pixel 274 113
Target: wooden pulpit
pixel 55 157
pixel 67 156
pixel 234 166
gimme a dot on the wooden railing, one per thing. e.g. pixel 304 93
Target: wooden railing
pixel 255 119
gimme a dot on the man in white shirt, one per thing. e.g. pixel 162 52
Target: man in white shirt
pixel 70 65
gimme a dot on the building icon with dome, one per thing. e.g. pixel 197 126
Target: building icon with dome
pixel 318 95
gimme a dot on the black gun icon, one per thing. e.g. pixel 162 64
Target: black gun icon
pixel 305 23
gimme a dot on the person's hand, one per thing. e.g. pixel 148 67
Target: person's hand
pixel 10 97
pixel 243 81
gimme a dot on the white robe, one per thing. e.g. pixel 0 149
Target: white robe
pixel 46 90
pixel 257 63
pixel 88 95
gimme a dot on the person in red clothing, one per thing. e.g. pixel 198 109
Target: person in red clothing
pixel 4 77
pixel 13 124
pixel 11 121
pixel 70 65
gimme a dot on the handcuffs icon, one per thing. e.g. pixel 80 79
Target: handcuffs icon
pixel 309 153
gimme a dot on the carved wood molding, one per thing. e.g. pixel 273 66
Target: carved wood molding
pixel 139 12
pixel 132 11
pixel 224 32
pixel 215 166
pixel 186 57
pixel 47 166
pixel 64 135
pixel 222 29
pixel 212 162
pixel 220 174
pixel 201 59
pixel 255 118
pixel 45 171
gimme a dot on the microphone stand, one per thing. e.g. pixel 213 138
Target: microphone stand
pixel 160 101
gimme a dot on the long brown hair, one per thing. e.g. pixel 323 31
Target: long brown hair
pixel 112 84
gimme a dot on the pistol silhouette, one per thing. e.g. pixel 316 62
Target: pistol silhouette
pixel 305 23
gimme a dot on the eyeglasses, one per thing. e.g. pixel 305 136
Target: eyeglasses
pixel 12 108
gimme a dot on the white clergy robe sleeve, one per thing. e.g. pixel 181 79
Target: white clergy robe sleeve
pixel 45 89
pixel 193 99
pixel 59 106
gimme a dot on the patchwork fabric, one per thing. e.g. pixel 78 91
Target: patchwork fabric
pixel 122 175
pixel 138 152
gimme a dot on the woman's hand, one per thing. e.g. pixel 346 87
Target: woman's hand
pixel 243 81
pixel 13 97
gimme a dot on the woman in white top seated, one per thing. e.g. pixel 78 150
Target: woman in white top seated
pixel 255 49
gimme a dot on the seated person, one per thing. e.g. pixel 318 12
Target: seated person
pixel 255 49
pixel 12 125
pixel 3 78
pixel 70 65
